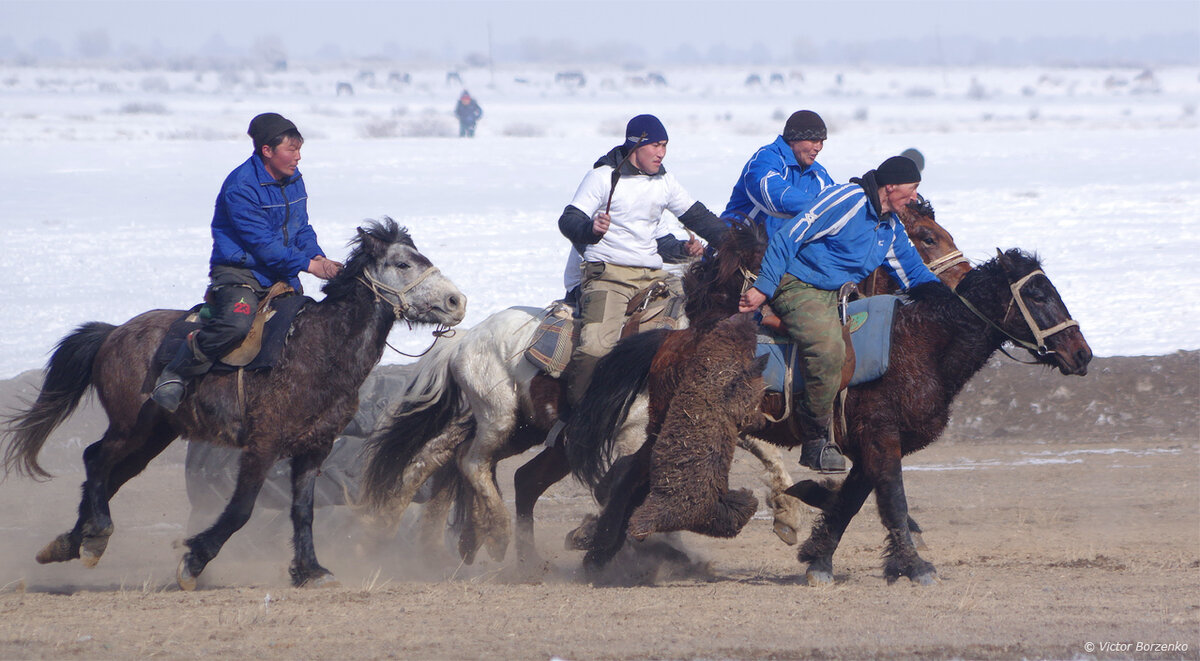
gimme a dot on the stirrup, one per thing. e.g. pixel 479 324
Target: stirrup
pixel 168 393
pixel 823 457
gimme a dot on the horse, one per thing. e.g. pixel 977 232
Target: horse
pixel 480 389
pixel 940 340
pixel 293 410
pixel 505 415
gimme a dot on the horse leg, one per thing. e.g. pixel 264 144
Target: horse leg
pixel 385 523
pixel 820 496
pixel 630 485
pixel 488 513
pixel 901 556
pixel 530 482
pixel 785 507
pixel 435 512
pixel 827 531
pixel 305 569
pixel 108 464
pixel 202 548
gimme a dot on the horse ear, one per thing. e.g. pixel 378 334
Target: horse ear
pixel 1005 262
pixel 369 242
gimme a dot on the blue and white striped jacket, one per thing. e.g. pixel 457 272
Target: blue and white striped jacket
pixel 841 238
pixel 773 187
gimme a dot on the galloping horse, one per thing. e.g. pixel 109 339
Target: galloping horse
pixel 940 340
pixel 430 428
pixel 295 409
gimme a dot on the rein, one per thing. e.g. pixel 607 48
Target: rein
pixel 1039 334
pixel 402 305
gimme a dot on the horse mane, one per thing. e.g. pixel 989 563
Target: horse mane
pixel 364 249
pixel 708 284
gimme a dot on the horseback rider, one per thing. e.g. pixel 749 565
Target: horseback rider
pixel 781 178
pixel 261 236
pixel 845 233
pixel 613 221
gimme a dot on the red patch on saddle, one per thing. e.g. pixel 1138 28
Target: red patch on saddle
pixel 242 307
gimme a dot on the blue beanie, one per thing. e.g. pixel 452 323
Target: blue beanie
pixel 644 130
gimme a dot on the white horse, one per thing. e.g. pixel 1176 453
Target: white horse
pixel 469 402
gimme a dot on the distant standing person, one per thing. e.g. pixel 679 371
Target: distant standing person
pixel 781 178
pixel 260 236
pixel 468 113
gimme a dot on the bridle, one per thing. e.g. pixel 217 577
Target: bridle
pixel 402 305
pixel 1038 346
pixel 947 262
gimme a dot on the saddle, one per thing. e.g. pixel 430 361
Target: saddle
pixel 263 343
pixel 558 332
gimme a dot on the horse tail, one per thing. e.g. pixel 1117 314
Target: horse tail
pixel 616 382
pixel 68 377
pixel 431 401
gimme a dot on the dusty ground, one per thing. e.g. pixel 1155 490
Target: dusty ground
pixel 1063 516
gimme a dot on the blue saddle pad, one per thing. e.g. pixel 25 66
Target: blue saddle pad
pixel 870 331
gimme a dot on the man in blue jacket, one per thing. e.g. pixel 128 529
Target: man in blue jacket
pixel 847 232
pixel 261 236
pixel 781 178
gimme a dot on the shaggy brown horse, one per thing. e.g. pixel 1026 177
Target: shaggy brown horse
pixel 720 387
pixel 940 340
pixel 295 409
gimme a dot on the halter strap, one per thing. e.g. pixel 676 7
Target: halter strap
pixel 401 305
pixel 1039 334
pixel 946 262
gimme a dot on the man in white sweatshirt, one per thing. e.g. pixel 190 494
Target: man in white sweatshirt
pixel 613 221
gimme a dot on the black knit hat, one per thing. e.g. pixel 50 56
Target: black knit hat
pixel 897 170
pixel 644 130
pixel 804 125
pixel 266 127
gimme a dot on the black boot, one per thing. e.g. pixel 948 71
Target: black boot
pixel 818 452
pixel 172 383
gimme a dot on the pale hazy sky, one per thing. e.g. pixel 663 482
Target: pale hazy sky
pixel 447 26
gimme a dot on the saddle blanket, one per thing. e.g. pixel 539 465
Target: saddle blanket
pixel 870 322
pixel 275 334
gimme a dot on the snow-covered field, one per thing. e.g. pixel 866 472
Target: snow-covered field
pixel 107 178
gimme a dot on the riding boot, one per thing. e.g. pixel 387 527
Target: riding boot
pixel 172 383
pixel 818 451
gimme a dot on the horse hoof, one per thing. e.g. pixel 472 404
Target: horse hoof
pixel 819 577
pixel 785 533
pixel 91 549
pixel 928 578
pixel 59 550
pixel 497 549
pixel 322 581
pixel 184 577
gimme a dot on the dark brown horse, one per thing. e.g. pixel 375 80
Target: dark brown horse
pixel 295 409
pixel 940 340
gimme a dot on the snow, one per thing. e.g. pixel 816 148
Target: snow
pixel 107 178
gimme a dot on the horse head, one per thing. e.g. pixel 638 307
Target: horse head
pixel 1031 313
pixel 933 242
pixel 714 283
pixel 384 259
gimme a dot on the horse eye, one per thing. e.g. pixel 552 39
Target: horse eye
pixel 403 265
pixel 929 241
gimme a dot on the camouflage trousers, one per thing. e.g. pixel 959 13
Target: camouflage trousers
pixel 604 295
pixel 810 317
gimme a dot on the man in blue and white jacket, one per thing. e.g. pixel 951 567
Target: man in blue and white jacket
pixel 781 178
pixel 847 232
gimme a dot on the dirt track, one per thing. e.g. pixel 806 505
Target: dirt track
pixel 1055 526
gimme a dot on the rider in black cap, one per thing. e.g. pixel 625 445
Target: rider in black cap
pixel 261 236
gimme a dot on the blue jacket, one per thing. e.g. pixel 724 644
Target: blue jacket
pixel 262 225
pixel 841 238
pixel 774 188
